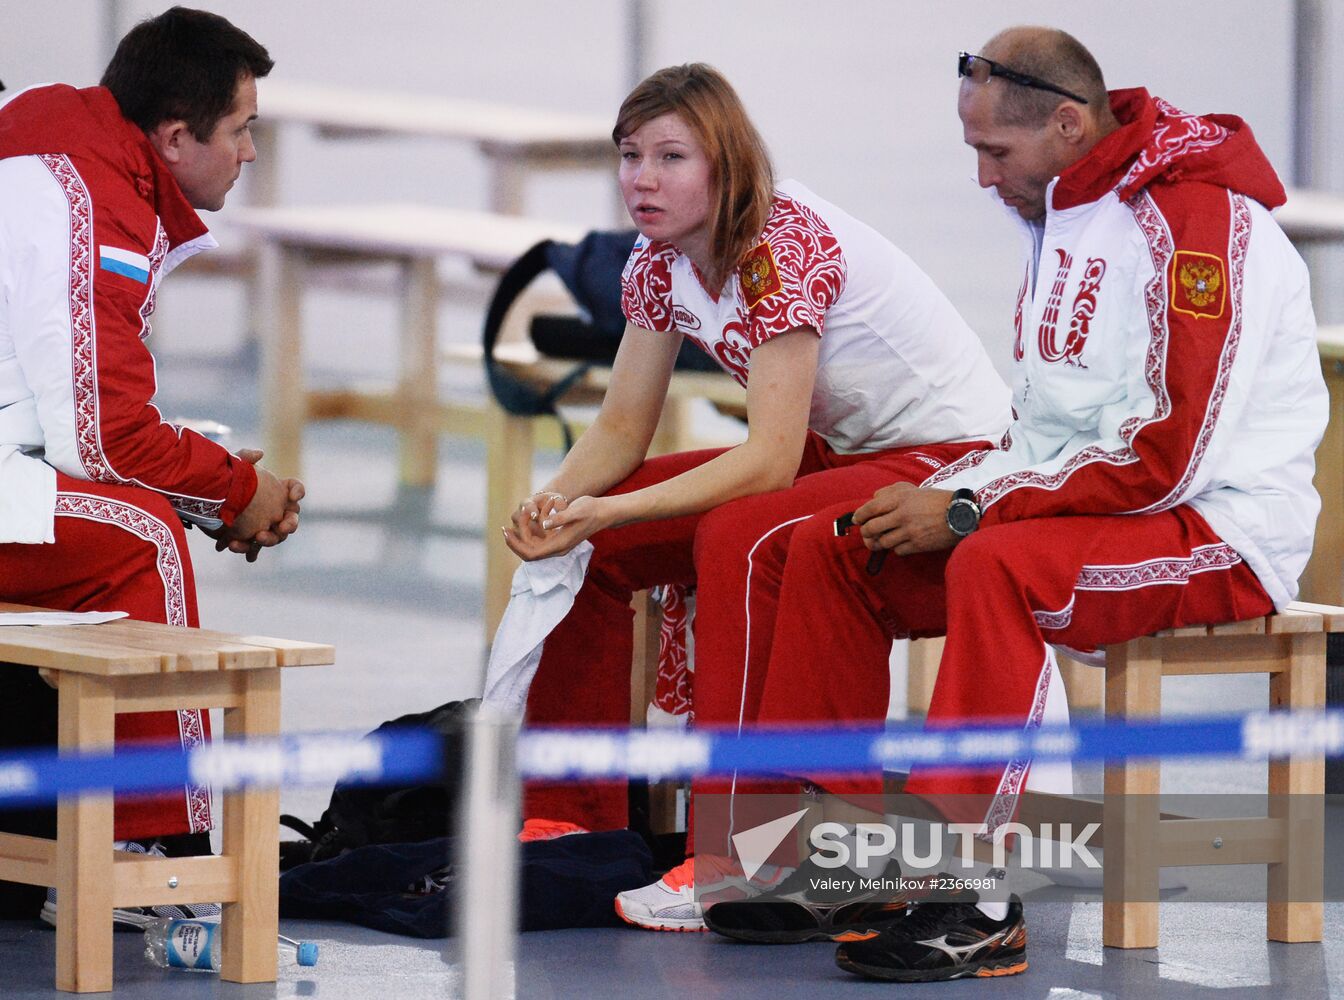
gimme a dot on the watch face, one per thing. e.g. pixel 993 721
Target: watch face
pixel 961 517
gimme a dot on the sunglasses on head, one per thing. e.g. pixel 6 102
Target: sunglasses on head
pixel 980 69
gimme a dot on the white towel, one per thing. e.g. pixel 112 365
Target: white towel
pixel 543 591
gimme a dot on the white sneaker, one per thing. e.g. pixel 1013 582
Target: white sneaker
pixel 138 917
pixel 672 903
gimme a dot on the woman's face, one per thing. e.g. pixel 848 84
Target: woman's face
pixel 665 180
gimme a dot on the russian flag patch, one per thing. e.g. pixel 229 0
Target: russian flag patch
pixel 124 262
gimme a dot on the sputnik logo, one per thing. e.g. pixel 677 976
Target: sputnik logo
pixel 755 846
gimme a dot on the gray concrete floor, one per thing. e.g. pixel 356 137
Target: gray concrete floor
pixel 395 583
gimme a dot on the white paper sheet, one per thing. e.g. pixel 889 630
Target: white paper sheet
pixel 59 617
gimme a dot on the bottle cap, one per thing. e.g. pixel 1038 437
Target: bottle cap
pixel 307 953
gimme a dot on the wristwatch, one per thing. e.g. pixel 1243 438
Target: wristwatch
pixel 963 513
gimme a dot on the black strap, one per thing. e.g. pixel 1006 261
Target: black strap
pixel 515 395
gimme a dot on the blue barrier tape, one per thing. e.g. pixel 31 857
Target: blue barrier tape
pixel 656 754
pixel 409 755
pixel 403 756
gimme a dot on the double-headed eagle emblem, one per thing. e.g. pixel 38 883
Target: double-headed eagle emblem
pixel 1202 281
pixel 1199 287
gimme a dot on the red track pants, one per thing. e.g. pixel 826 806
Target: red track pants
pixel 120 548
pixel 1000 596
pixel 735 556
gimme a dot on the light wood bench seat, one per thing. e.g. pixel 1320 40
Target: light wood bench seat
pixel 128 666
pixel 516 142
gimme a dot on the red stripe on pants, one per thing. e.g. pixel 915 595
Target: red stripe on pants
pixel 734 555
pixel 120 548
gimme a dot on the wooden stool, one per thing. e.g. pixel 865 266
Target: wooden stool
pixel 1290 647
pixel 129 666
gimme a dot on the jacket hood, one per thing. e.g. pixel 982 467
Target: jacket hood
pixel 1158 143
pixel 88 125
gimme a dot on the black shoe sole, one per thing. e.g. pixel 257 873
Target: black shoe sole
pixel 835 935
pixel 1005 965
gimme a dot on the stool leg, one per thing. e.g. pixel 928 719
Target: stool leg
pixel 284 393
pixel 84 845
pixel 251 831
pixel 1296 789
pixel 1130 811
pixel 921 673
pixel 508 464
pixel 417 383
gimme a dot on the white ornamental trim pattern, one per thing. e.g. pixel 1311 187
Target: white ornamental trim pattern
pixel 151 529
pixel 1153 572
pixel 82 351
pixel 1055 619
pixel 193 505
pixel 1239 241
pixel 191 730
pixel 971 459
pixel 1161 247
pixel 1019 351
pixel 1176 135
pixel 190 724
pixel 1004 804
pixel 156 256
pixel 967 461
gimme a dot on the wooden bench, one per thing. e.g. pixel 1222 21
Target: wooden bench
pixel 414 238
pixel 1290 647
pixel 1312 216
pixel 129 666
pixel 516 142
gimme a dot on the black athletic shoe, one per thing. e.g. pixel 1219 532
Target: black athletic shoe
pixel 814 904
pixel 939 941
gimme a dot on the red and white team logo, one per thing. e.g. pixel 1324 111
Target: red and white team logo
pixel 684 318
pixel 1045 333
pixel 1084 309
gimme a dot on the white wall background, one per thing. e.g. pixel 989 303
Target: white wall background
pixel 857 99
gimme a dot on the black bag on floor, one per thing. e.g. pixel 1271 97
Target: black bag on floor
pixel 410 888
pixel 359 815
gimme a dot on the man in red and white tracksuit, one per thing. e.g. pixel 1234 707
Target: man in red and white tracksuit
pixel 98 196
pixel 1168 400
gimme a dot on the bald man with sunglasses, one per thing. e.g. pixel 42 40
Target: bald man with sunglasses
pixel 1158 473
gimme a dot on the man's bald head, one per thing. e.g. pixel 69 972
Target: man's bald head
pixel 1025 136
pixel 1051 55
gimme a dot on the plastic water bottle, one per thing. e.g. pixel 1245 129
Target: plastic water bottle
pixel 194 944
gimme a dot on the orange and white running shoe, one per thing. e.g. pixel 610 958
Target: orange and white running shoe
pixel 673 902
pixel 547 829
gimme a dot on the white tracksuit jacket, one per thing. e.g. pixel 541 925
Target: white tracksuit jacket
pixel 1165 348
